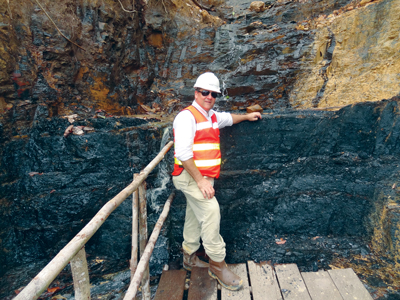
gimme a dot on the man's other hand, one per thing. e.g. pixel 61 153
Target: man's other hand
pixel 206 188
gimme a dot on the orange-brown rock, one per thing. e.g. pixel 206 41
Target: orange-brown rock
pixel 257 6
pixel 254 108
pixel 210 19
pixel 347 65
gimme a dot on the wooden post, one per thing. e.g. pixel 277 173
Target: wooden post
pixel 135 215
pixel 144 260
pixel 80 274
pixel 146 295
pixel 42 280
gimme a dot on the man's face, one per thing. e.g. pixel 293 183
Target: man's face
pixel 206 102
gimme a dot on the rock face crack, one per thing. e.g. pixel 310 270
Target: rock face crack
pixel 327 60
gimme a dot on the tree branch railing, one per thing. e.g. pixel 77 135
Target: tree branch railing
pixel 74 251
pixel 144 260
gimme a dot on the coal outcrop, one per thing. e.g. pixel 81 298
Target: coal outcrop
pixel 306 173
pixel 297 186
pixel 53 185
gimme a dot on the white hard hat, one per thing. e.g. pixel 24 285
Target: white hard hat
pixel 208 81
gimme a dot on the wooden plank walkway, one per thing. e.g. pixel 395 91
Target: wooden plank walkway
pixel 265 282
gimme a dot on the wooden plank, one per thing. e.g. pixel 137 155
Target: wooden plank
pixel 202 286
pixel 349 285
pixel 320 286
pixel 242 294
pixel 263 281
pixel 291 282
pixel 171 286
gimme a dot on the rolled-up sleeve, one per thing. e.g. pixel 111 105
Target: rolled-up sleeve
pixel 184 131
pixel 224 119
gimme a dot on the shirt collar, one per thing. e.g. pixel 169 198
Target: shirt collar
pixel 202 110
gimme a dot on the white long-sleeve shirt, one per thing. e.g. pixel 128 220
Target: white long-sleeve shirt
pixel 185 129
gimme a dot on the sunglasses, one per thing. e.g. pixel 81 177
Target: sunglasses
pixel 206 93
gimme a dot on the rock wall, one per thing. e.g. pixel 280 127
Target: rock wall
pixel 293 54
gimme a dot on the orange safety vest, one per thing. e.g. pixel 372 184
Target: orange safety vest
pixel 206 150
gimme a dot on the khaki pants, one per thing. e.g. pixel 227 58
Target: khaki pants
pixel 202 219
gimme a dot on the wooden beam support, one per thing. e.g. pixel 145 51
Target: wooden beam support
pixel 135 230
pixel 146 295
pixel 80 275
pixel 144 260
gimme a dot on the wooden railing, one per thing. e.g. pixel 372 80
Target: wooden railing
pixel 74 251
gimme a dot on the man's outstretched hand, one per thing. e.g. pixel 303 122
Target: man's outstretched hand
pixel 254 116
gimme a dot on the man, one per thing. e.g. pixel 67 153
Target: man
pixel 197 163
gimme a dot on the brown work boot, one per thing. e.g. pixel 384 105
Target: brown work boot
pixel 221 272
pixel 191 260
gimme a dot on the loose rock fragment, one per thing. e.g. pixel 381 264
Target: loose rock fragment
pixel 254 108
pixel 78 130
pixel 68 131
pixel 87 128
pixel 71 118
pixel 257 6
pixel 280 241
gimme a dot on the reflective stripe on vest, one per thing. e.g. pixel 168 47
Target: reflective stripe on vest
pixel 206 146
pixel 203 147
pixel 203 163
